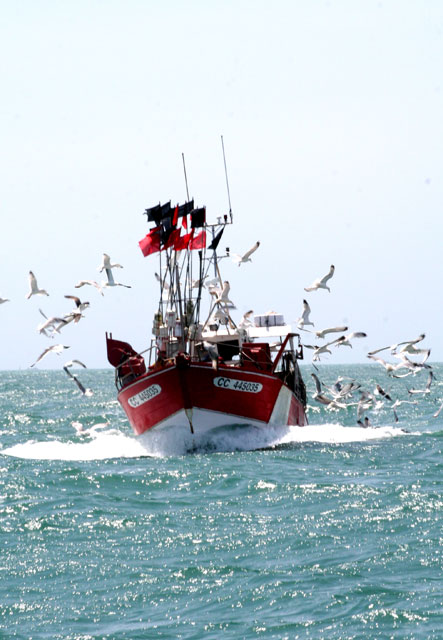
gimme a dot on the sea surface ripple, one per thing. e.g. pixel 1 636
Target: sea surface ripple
pixel 327 531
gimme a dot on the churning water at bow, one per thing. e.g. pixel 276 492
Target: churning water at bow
pixel 329 530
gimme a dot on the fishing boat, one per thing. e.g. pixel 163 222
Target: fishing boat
pixel 203 369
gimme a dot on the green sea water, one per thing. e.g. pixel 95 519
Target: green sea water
pixel 326 531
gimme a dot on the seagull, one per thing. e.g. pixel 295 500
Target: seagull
pixel 56 348
pixel 320 283
pixel 304 318
pixel 394 347
pixel 398 402
pixel 213 353
pixel 71 363
pixel 366 401
pixel 246 320
pixel 111 282
pixel 381 392
pixel 426 390
pixel 246 257
pixel 2 300
pixel 390 368
pixel 196 284
pixel 437 413
pixel 341 392
pixel 50 323
pixel 415 367
pixel 73 316
pixel 106 264
pixel 81 431
pixel 318 350
pixel 81 306
pixel 164 284
pixel 34 290
pixel 93 283
pixel 320 397
pixel 223 296
pixel 345 340
pixel 324 332
pixel 220 316
pixel 412 350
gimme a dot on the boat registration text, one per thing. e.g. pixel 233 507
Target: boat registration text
pixel 237 385
pixel 144 396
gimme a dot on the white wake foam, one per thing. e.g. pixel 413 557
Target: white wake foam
pixel 111 443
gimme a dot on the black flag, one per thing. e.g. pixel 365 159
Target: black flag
pixel 216 240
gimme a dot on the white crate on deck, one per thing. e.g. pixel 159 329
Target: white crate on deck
pixel 270 319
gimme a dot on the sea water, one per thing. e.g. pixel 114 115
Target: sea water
pixel 324 531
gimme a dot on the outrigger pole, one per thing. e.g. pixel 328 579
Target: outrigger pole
pixel 227 183
pixel 186 179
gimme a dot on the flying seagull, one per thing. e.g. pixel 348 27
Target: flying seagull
pixel 56 348
pixel 2 300
pixel 389 367
pixel 246 320
pixel 320 283
pixel 246 257
pixel 81 306
pixel 318 350
pixel 163 282
pixel 34 290
pixel 223 296
pixel 50 323
pixel 304 318
pixel 93 283
pixel 437 413
pixel 394 347
pixel 426 390
pixel 107 264
pixel 324 332
pixel 346 340
pixel 111 282
pixel 71 363
pixel 379 391
pixel 320 397
pixel 213 353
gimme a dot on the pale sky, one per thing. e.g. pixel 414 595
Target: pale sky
pixel 332 119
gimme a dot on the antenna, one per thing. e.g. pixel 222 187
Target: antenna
pixel 186 179
pixel 227 183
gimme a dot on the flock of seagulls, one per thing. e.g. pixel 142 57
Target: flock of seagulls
pixel 52 326
pixel 343 395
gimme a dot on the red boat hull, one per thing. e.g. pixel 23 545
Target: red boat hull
pixel 198 397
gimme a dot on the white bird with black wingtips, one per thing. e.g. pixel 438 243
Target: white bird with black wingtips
pixel 80 306
pixel 111 282
pixel 34 289
pixel 246 257
pixel 56 348
pixel 320 283
pixel 107 264
pixel 323 332
pixel 72 363
pixel 346 340
pixel 304 320
pixel 92 283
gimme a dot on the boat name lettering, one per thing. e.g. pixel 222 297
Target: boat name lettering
pixel 238 385
pixel 144 396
